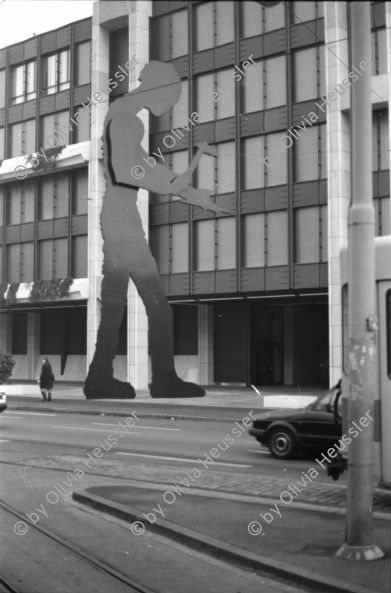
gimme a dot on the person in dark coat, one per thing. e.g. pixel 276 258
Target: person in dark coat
pixel 46 380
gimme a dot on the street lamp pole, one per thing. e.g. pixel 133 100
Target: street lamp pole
pixel 359 543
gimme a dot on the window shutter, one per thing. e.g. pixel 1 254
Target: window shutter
pixel 206 173
pixel 83 71
pixel 60 258
pixel 204 93
pixel 324 239
pixel 274 17
pixel 82 130
pixel 277 238
pixel 253 88
pixel 180 248
pixel 179 34
pixel 204 26
pixel 46 198
pixel 253 165
pixel 28 201
pixel 254 241
pixel 13 263
pixel 14 204
pixel 16 140
pixel 226 94
pixel 29 136
pixel 80 189
pixel 79 259
pixel 275 82
pixel 47 139
pixel 226 243
pixel 224 22
pixel 305 69
pixel 251 19
pixel 307 235
pixel 277 167
pixel 384 142
pixel 385 216
pixel 205 245
pixel 160 247
pixel 306 155
pixel 27 262
pixel 226 167
pixel 62 195
pixel 180 111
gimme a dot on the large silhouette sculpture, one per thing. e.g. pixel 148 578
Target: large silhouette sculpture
pixel 126 251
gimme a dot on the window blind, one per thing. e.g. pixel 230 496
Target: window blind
pixel 226 243
pixel 28 190
pixel 180 111
pixel 307 235
pixel 253 165
pixel 277 165
pixel 226 94
pixel 180 248
pixel 60 258
pixel 204 19
pixel 13 263
pixel 224 22
pixel 160 247
pixel 254 240
pixel 275 82
pixel 79 256
pixel 226 167
pixel 252 86
pixel 205 245
pixel 27 262
pixel 305 72
pixel 204 97
pixel 179 34
pixel 277 238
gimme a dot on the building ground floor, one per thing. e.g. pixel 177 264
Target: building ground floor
pixel 259 341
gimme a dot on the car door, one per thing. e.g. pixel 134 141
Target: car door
pixel 317 429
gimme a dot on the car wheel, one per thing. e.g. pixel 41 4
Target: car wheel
pixel 281 443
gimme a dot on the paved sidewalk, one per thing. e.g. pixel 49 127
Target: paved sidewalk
pixel 297 545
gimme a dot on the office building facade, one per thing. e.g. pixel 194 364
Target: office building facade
pixel 256 291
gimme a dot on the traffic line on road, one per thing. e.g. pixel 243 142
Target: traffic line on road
pixel 94 429
pixel 4 441
pixel 258 451
pixel 33 413
pixel 148 427
pixel 179 459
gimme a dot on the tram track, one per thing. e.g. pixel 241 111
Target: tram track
pixel 81 555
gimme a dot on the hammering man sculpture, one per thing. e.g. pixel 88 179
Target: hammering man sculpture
pixel 126 251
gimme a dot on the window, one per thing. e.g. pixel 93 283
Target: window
pixel 53 259
pixel 55 129
pixel 83 63
pixel 311 234
pixel 2 88
pixel 309 73
pixel 265 161
pixel 204 237
pixel 80 192
pixel 380 143
pixel 265 239
pixel 257 19
pixel 310 153
pixel 53 197
pixel 226 243
pixel 179 248
pixel 179 34
pixel 20 262
pixel 214 24
pixel 215 95
pixel 226 167
pixel 1 144
pixel 264 85
pixel 21 203
pixel 19 333
pixel 56 72
pixel 379 52
pixel 81 130
pixel 79 256
pixel 306 11
pixel 382 217
pixel 185 329
pixel 22 138
pixel 23 85
pixel 253 249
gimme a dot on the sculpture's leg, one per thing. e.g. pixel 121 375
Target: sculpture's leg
pixel 100 383
pixel 145 275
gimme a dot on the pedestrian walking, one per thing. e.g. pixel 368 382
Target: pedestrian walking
pixel 46 380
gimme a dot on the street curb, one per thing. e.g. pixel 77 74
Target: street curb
pixel 125 414
pixel 221 550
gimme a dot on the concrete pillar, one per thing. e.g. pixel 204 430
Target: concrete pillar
pixel 288 345
pixel 96 180
pixel 338 166
pixel 33 343
pixel 205 345
pixel 137 322
pixel 6 332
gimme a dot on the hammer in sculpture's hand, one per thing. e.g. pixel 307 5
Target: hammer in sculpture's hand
pixel 183 181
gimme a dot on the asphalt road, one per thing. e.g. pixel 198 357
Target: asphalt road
pixel 33 563
pixel 148 441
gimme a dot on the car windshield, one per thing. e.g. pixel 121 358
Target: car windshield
pixel 325 403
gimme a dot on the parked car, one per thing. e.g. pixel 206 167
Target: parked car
pixel 3 402
pixel 287 432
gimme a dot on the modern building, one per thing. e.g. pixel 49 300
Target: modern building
pixel 256 292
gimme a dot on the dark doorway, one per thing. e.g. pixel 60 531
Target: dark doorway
pixel 266 345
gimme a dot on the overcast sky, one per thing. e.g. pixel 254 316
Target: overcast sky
pixel 20 19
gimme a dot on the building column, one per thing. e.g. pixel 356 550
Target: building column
pixel 338 167
pixel 137 321
pixel 205 345
pixel 96 180
pixel 33 343
pixel 288 346
pixel 6 332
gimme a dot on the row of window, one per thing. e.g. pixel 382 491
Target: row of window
pixel 55 75
pixel 264 240
pixel 215 22
pixel 51 258
pixel 53 196
pixel 55 129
